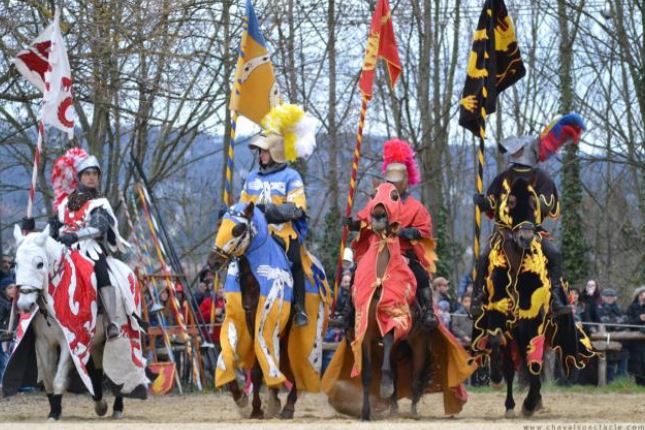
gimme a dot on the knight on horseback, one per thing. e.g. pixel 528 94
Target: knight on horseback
pixel 86 222
pixel 525 153
pixel 415 235
pixel 277 189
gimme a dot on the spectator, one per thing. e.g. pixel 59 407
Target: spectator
pixel 7 266
pixel 591 300
pixel 441 288
pixel 636 315
pixel 578 306
pixel 7 294
pixel 214 314
pixel 200 294
pixel 462 326
pixel 610 313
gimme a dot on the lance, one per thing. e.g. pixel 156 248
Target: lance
pixel 34 173
pixel 350 194
pixel 167 245
pixel 169 283
pixel 145 263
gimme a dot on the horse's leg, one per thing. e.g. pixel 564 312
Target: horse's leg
pixel 46 359
pixel 117 408
pixel 509 374
pixel 273 403
pixel 366 379
pixel 239 397
pixel 387 384
pixel 60 383
pixel 290 406
pixel 394 401
pixel 496 361
pixel 96 376
pixel 533 401
pixel 256 378
pixel 419 371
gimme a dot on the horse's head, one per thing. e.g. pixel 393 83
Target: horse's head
pixel 520 211
pixel 233 236
pixel 32 266
pixel 384 210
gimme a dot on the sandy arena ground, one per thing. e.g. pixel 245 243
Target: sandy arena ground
pixel 483 410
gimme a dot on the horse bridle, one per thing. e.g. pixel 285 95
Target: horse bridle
pixel 237 240
pixel 40 298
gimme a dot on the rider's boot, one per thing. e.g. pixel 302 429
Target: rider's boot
pixel 108 297
pixel 300 317
pixel 428 317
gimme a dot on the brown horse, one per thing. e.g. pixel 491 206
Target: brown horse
pixel 257 333
pixel 391 285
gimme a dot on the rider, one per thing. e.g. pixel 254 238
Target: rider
pixel 278 190
pixel 86 222
pixel 415 232
pixel 525 154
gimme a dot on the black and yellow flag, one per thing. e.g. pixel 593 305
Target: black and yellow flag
pixel 494 65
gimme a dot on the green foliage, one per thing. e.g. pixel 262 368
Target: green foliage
pixel 329 242
pixel 448 251
pixel 574 247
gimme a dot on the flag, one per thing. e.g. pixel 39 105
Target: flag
pixel 381 43
pixel 255 90
pixel 494 64
pixel 45 64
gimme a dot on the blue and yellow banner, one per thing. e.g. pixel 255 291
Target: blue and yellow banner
pixel 255 90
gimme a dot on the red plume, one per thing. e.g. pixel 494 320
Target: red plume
pixel 399 151
pixel 64 179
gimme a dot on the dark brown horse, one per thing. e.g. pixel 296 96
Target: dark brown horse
pixel 384 270
pixel 242 234
pixel 512 329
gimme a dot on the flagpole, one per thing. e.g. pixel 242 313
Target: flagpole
pixel 350 194
pixel 227 196
pixel 479 189
pixel 34 173
pixel 146 265
pixel 169 283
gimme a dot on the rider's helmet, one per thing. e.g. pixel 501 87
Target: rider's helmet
pixel 399 163
pixel 288 133
pixel 88 163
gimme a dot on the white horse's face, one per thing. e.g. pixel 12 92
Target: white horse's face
pixel 32 267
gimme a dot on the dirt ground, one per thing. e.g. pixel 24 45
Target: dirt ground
pixel 483 410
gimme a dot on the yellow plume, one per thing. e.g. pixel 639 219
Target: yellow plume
pixel 296 128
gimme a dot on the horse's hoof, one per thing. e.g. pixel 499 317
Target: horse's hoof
pixel 273 406
pixel 413 410
pixel 242 402
pixel 117 415
pixel 387 386
pixel 510 413
pixel 53 417
pixel 287 414
pixel 257 415
pixel 366 418
pixel 101 408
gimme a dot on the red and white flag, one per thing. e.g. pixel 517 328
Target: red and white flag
pixel 46 66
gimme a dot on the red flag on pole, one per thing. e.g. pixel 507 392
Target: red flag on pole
pixel 380 44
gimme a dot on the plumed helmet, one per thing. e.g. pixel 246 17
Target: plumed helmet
pixel 399 162
pixel 88 163
pixel 272 142
pixel 514 145
pixel 288 133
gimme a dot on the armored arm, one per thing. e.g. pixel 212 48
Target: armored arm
pixel 100 223
pixel 277 214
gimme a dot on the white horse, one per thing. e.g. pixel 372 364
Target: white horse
pixel 41 265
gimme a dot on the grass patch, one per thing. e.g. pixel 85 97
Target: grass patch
pixel 620 385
